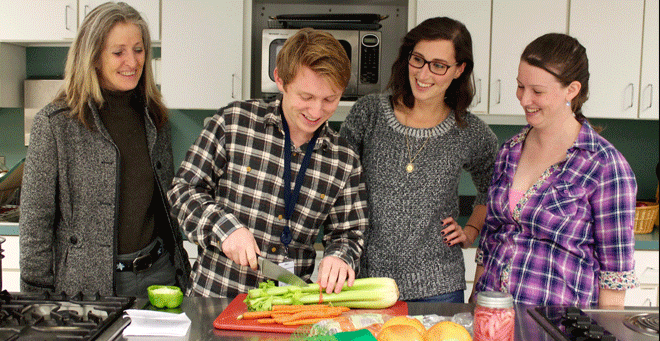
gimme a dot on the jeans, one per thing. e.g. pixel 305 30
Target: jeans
pixel 450 297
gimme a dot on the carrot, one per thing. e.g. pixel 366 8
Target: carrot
pixel 320 313
pixel 297 307
pixel 303 321
pixel 251 315
pixel 265 321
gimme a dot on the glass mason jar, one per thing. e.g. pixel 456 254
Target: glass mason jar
pixel 494 317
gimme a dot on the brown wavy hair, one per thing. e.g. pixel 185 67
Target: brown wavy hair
pixel 565 58
pixel 81 81
pixel 461 90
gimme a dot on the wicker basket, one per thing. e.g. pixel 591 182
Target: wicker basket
pixel 645 217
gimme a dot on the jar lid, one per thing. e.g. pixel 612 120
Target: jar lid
pixel 495 299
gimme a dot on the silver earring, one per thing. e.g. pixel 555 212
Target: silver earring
pixel 568 104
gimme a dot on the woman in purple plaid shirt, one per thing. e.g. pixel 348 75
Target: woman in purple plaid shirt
pixel 561 209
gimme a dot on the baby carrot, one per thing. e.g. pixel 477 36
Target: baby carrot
pixel 303 321
pixel 320 313
pixel 250 315
pixel 297 307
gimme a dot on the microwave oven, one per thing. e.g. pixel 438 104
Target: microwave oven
pixel 362 47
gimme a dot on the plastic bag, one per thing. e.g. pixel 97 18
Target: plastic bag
pixel 373 322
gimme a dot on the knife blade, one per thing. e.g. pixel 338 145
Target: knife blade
pixel 278 273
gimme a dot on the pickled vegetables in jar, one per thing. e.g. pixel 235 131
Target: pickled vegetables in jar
pixel 494 317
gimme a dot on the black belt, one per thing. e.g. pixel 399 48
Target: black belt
pixel 143 262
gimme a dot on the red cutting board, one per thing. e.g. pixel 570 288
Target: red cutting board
pixel 227 319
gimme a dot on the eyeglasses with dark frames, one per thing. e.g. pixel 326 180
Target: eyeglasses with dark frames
pixel 435 67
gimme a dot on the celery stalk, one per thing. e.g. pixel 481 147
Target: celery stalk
pixel 368 293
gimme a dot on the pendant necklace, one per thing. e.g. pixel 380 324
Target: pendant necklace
pixel 410 167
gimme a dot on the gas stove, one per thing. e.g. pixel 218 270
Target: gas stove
pixel 574 324
pixel 58 317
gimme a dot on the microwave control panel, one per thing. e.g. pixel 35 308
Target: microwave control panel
pixel 370 58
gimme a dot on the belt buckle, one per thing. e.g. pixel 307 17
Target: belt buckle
pixel 142 263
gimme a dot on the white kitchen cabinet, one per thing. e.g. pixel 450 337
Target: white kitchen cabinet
pixel 646 269
pixel 11 275
pixel 475 15
pixel 648 98
pixel 515 24
pixel 36 21
pixel 470 269
pixel 149 10
pixel 611 31
pixel 12 74
pixel 201 53
pixel 57 21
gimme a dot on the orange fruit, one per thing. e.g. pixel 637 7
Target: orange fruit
pixel 405 320
pixel 399 332
pixel 447 331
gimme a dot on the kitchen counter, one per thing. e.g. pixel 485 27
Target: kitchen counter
pixel 203 311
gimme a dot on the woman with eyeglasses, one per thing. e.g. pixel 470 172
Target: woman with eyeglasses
pixel 415 141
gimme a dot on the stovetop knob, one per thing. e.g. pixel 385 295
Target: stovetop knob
pixel 572 313
pixel 596 331
pixel 583 321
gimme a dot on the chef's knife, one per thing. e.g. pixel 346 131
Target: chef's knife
pixel 278 273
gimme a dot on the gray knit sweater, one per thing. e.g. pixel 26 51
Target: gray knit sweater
pixel 404 240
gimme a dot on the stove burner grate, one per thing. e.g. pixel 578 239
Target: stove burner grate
pixel 643 323
pixel 58 317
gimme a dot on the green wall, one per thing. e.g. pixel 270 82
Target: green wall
pixel 636 139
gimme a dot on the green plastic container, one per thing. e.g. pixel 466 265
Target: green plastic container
pixel 165 296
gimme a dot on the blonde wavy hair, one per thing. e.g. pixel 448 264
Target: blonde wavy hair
pixel 319 51
pixel 81 81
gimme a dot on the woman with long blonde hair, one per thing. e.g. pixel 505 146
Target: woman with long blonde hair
pixel 94 218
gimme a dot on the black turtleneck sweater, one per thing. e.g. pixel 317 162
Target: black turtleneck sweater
pixel 123 118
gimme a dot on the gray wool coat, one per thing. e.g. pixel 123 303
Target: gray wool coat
pixel 69 204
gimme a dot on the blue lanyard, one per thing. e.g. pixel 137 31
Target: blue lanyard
pixel 291 198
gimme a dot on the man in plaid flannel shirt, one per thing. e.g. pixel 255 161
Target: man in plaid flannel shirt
pixel 230 194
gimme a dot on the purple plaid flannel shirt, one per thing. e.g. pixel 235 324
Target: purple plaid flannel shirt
pixel 571 234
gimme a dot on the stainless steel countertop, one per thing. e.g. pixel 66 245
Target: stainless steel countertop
pixel 202 311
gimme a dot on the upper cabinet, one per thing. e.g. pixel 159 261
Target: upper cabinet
pixel 201 53
pixel 57 21
pixel 475 15
pixel 149 10
pixel 498 43
pixel 515 24
pixel 614 49
pixel 38 21
pixel 648 98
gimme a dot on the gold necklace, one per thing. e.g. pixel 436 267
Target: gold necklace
pixel 410 167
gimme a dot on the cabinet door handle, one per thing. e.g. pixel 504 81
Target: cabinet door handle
pixel 67 8
pixel 478 85
pixel 499 90
pixel 86 11
pixel 632 92
pixel 233 78
pixel 650 88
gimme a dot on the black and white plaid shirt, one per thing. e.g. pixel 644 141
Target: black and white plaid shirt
pixel 232 177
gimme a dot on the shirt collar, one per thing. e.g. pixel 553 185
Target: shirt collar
pixel 274 117
pixel 587 138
